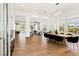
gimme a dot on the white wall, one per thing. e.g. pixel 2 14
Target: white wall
pixel 27 27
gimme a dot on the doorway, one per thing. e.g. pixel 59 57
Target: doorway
pixel 35 27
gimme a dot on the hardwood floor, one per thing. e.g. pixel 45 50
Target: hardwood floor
pixel 35 46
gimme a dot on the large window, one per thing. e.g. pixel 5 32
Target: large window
pixel 73 26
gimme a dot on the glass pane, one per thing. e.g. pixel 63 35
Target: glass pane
pixel 1 31
pixel 73 26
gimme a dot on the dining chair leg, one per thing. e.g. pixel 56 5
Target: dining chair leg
pixel 64 42
pixel 69 44
pixel 73 46
pixel 77 45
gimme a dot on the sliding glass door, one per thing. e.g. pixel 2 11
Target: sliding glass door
pixel 3 35
pixel 1 31
pixel 4 49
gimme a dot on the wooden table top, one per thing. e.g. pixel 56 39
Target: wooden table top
pixel 64 35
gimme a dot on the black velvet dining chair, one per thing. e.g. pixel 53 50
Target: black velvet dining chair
pixel 49 36
pixel 73 40
pixel 46 35
pixel 58 39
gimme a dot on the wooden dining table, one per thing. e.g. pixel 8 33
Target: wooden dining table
pixel 64 36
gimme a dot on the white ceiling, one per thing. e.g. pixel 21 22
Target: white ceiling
pixel 44 9
pixel 48 9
